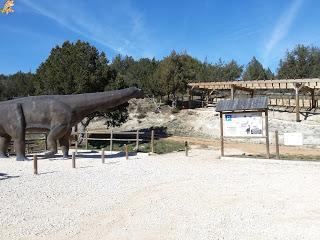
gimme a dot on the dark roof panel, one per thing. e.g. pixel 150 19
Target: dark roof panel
pixel 258 103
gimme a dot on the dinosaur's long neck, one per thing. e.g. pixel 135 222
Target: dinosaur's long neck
pixel 84 104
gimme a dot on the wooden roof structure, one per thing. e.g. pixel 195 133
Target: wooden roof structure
pixel 313 83
pixel 249 104
pixel 298 85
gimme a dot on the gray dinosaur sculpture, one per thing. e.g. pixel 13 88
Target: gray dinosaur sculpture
pixel 55 114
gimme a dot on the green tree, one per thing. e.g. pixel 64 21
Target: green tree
pixel 301 62
pixel 220 71
pixel 174 72
pixel 255 71
pixel 17 85
pixel 73 68
pixel 79 68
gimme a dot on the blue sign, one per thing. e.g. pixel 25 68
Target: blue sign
pixel 228 118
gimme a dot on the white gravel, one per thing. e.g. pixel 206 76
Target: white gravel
pixel 160 197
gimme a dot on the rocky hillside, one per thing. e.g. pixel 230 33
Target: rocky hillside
pixel 205 122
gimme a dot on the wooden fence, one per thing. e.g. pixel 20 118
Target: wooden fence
pixel 32 143
pixel 110 137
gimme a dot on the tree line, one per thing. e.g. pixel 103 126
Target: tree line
pixel 79 67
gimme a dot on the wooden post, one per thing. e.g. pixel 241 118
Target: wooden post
pixel 46 144
pixel 35 164
pixel 152 141
pixel 76 146
pixel 102 156
pixel 86 139
pixel 137 141
pixel 297 104
pixel 267 133
pixel 111 136
pixel 232 92
pixel 189 99
pixel 73 160
pixel 126 150
pixel 252 93
pixel 277 145
pixel 221 134
pixel 186 148
pixel 313 102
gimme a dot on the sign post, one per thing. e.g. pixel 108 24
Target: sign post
pixel 242 118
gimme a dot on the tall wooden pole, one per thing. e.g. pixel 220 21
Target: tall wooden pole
pixel 221 135
pixel 267 133
pixel 297 104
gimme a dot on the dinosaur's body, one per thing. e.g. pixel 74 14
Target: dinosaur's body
pixel 55 114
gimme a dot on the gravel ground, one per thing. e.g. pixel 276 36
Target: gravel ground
pixel 160 197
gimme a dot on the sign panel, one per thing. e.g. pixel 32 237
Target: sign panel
pixel 293 139
pixel 243 124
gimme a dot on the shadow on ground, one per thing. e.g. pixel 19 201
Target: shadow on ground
pixel 86 154
pixel 4 176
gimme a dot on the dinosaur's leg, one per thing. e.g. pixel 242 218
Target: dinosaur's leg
pixel 64 144
pixel 17 130
pixel 55 134
pixel 4 144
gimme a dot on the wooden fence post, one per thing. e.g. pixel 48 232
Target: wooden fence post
pixel 126 150
pixel 137 141
pixel 186 147
pixel 152 141
pixel 102 156
pixel 277 145
pixel 35 164
pixel 76 146
pixel 86 139
pixel 111 136
pixel 45 141
pixel 73 160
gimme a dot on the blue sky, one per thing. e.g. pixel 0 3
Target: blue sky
pixel 205 29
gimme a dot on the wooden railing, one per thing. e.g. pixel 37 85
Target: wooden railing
pixel 114 136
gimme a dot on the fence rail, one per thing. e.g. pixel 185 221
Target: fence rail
pixel 113 136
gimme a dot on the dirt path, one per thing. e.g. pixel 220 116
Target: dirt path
pixel 249 148
pixel 160 197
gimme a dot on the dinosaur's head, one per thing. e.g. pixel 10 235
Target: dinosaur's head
pixel 136 92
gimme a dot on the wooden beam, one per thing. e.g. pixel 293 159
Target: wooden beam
pixel 260 84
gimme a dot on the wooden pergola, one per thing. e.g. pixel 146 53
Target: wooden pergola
pixel 298 85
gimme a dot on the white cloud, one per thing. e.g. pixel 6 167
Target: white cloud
pixel 282 27
pixel 105 30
